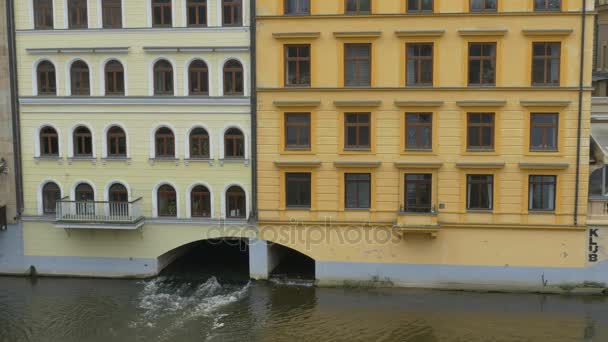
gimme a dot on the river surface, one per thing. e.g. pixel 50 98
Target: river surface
pixel 184 309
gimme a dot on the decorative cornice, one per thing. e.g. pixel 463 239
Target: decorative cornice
pixel 135 100
pixel 480 165
pixel 419 33
pixel 482 33
pixel 196 48
pixel 543 166
pixel 363 34
pixel 357 164
pixel 545 103
pixel 482 103
pixel 418 103
pixel 418 165
pixel 296 35
pixel 307 164
pixel 310 104
pixel 49 51
pixel 547 32
pixel 357 103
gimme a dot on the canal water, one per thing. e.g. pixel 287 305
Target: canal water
pixel 186 305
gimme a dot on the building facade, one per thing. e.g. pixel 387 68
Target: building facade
pixel 426 142
pixel 136 126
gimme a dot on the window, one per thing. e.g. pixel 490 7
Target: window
pixel 51 194
pixel 480 131
pixel 543 132
pixel 546 64
pixel 112 13
pixel 297 65
pixel 482 64
pixel 232 13
pixel 84 193
pixel 197 13
pixel 79 74
pixel 236 203
pixel 49 142
pixel 541 193
pixel 419 64
pixel 357 7
pixel 297 7
pixel 419 6
pixel 357 131
pixel 233 78
pixel 418 190
pixel 298 190
pixel 164 143
pixel 418 131
pixel 83 142
pixel 234 144
pixel 115 78
pixel 357 190
pixel 483 5
pixel 199 78
pixel 167 201
pixel 118 196
pixel 47 84
pixel 163 78
pixel 117 142
pixel 199 144
pixel 77 14
pixel 357 64
pixel 297 131
pixel 480 192
pixel 43 14
pixel 547 5
pixel 200 202
pixel 161 13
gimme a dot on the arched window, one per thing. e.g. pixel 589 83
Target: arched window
pixel 164 143
pixel 47 84
pixel 234 144
pixel 49 142
pixel 161 13
pixel 199 78
pixel 236 203
pixel 167 201
pixel 77 14
pixel 83 142
pixel 43 14
pixel 85 196
pixel 117 142
pixel 199 144
pixel 51 194
pixel 163 78
pixel 200 202
pixel 79 74
pixel 233 78
pixel 232 13
pixel 115 78
pixel 197 13
pixel 118 196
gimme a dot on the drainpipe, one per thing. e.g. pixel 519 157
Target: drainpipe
pixel 581 88
pixel 254 111
pixel 10 25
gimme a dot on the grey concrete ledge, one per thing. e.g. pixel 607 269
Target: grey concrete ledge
pixel 476 32
pixel 357 103
pixel 545 103
pixel 419 33
pixel 135 29
pixel 484 103
pixel 481 165
pixel 418 165
pixel 526 165
pixel 354 164
pixel 419 103
pixel 48 51
pixel 313 163
pixel 136 100
pixel 196 48
pixel 547 32
pixel 359 34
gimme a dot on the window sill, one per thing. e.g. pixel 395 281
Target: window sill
pixel 199 160
pixel 544 151
pixel 481 150
pixel 541 212
pixel 356 149
pixel 93 160
pixel 297 86
pixel 116 159
pixel 153 161
pixel 480 211
pixel 408 213
pixel 418 150
pixel 48 158
pixel 358 209
pixel 234 161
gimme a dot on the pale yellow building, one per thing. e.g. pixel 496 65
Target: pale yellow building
pixel 442 136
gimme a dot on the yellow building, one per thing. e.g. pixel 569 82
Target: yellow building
pixel 426 142
pixel 135 123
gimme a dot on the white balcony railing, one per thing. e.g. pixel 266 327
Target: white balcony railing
pixel 104 213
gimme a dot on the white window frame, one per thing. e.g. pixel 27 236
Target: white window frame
pixel 100 15
pixel 222 149
pixel 68 69
pixel 187 141
pixel 187 75
pixel 71 139
pixel 247 199
pixel 37 147
pixel 245 75
pixel 174 22
pixel 176 91
pixel 41 187
pixel 104 139
pixel 189 199
pixel 155 200
pixel 102 83
pixel 153 139
pixel 35 75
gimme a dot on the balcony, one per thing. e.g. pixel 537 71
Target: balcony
pixel 597 212
pixel 417 221
pixel 99 215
